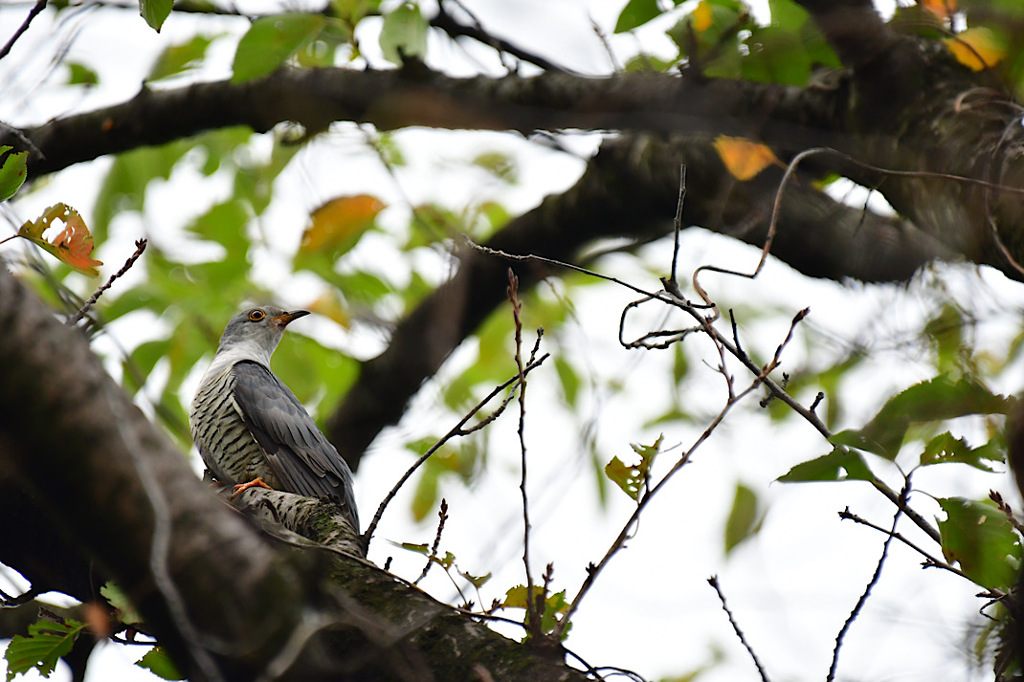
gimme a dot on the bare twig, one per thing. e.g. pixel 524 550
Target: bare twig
pixel 904 494
pixel 1007 510
pixel 696 312
pixel 713 581
pixel 36 9
pixel 442 517
pixel 594 570
pixel 677 222
pixel 532 611
pixel 10 601
pixel 456 430
pixel 929 560
pixel 450 25
pixel 140 246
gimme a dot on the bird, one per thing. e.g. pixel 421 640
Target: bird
pixel 250 428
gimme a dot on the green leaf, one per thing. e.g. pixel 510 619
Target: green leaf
pixel 13 172
pixel 938 399
pixel 160 664
pixel 946 333
pixel 353 11
pixel 981 539
pixel 636 13
pixel 124 188
pixel 946 448
pixel 80 74
pixel 271 41
pixel 155 12
pixel 500 165
pixel 554 606
pixel 404 34
pixel 631 478
pixel 42 648
pixel 743 517
pixel 119 600
pixel 841 464
pixel 418 548
pixel 569 380
pixel 476 581
pixel 177 58
pixel 424 499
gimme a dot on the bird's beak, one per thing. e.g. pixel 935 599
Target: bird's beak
pixel 283 320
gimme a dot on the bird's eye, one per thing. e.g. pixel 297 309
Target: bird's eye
pixel 256 315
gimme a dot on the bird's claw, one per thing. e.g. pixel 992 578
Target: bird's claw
pixel 254 483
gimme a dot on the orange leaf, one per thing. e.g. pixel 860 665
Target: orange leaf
pixel 702 17
pixel 72 245
pixel 977 48
pixel 943 9
pixel 744 158
pixel 340 222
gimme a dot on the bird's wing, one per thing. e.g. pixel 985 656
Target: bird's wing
pixel 298 453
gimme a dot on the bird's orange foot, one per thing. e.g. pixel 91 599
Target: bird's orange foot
pixel 254 483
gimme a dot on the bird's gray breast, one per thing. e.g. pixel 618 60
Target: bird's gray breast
pixel 225 442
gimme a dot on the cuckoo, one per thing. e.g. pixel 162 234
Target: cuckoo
pixel 251 429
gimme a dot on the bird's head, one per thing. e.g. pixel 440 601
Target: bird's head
pixel 257 330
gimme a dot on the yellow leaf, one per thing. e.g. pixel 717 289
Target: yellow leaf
pixel 744 158
pixel 330 306
pixel 72 245
pixel 340 222
pixel 940 8
pixel 701 17
pixel 977 48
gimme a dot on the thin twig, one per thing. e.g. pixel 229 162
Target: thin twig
pixel 1007 510
pixel 594 570
pixel 904 494
pixel 442 515
pixel 929 560
pixel 713 581
pixel 456 430
pixel 36 9
pixel 532 611
pixel 8 601
pixel 140 246
pixel 695 311
pixel 677 222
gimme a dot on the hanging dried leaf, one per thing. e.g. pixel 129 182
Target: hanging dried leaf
pixel 340 222
pixel 744 158
pixel 977 48
pixel 72 245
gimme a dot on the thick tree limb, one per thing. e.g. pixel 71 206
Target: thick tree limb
pixel 419 97
pixel 224 600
